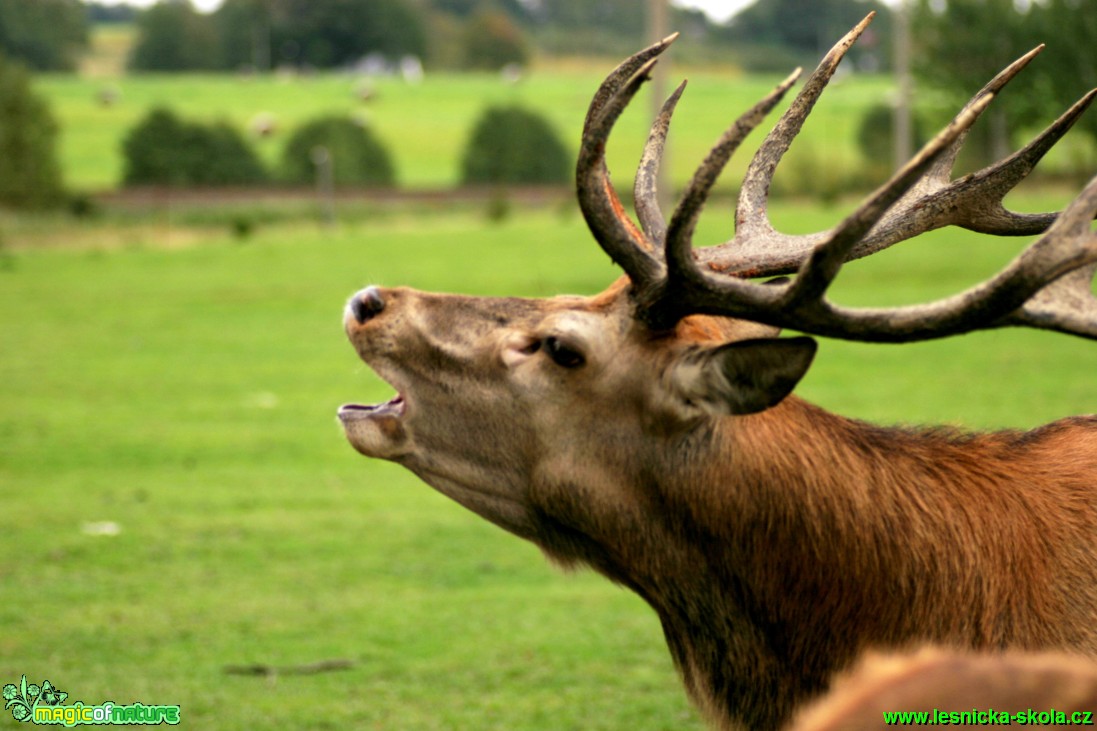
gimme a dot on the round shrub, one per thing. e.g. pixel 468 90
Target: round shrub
pixel 165 150
pixel 357 156
pixel 151 150
pixel 493 41
pixel 514 145
pixel 30 176
pixel 229 160
pixel 876 138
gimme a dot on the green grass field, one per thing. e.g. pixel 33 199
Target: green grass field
pixel 187 395
pixel 159 375
pixel 426 125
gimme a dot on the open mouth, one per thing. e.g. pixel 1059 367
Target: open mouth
pixel 396 406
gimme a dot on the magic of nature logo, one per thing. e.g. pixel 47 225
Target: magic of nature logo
pixel 45 704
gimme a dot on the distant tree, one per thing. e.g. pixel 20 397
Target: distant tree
pixel 493 40
pixel 166 150
pixel 622 16
pixel 514 145
pixel 320 34
pixel 173 36
pixel 801 31
pixel 962 44
pixel 357 156
pixel 244 29
pixel 876 139
pixel 515 9
pixel 100 13
pixel 1068 68
pixel 29 174
pixel 571 26
pixel 46 35
pixel 153 150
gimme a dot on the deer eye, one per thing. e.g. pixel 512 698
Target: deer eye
pixel 563 355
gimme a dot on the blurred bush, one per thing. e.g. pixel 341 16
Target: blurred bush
pixel 46 35
pixel 357 156
pixel 493 41
pixel 876 139
pixel 266 34
pixel 30 176
pixel 514 145
pixel 165 150
pixel 820 173
pixel 173 36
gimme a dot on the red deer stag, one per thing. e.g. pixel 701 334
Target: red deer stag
pixel 648 431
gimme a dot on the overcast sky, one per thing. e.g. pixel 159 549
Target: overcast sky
pixel 717 9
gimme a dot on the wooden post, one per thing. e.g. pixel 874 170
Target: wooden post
pixel 657 30
pixel 903 128
pixel 325 183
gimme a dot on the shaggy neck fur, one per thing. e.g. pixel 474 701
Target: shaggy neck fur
pixel 773 567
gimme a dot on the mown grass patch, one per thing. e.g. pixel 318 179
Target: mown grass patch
pixel 426 125
pixel 187 396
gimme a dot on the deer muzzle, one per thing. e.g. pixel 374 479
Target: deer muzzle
pixel 375 430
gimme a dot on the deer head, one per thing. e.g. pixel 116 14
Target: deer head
pixel 497 397
pixel 648 431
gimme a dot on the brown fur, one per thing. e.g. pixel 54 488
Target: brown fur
pixel 851 537
pixel 776 547
pixel 956 682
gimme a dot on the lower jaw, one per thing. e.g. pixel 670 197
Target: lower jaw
pixel 394 407
pixel 376 431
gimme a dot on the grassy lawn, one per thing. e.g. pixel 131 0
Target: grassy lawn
pixel 187 396
pixel 426 125
pixel 177 498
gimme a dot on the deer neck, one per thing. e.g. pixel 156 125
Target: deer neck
pixel 777 547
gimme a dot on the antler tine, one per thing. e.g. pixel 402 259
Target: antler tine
pixel 645 191
pixel 973 202
pixel 991 185
pixel 690 289
pixel 620 76
pixel 1068 303
pixel 751 217
pixel 1046 286
pixel 976 201
pixel 1049 285
pixel 757 249
pixel 942 170
pixel 681 268
pixel 820 269
pixel 601 207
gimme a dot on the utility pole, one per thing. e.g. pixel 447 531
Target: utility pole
pixel 260 46
pixel 325 183
pixel 903 129
pixel 658 30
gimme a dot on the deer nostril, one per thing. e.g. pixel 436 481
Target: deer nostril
pixel 367 304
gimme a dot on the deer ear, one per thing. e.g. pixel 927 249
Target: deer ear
pixel 743 377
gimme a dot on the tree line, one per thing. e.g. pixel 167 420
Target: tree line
pixel 952 58
pixel 264 34
pixel 51 35
pixel 958 41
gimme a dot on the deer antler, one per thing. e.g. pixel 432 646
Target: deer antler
pixel 1047 286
